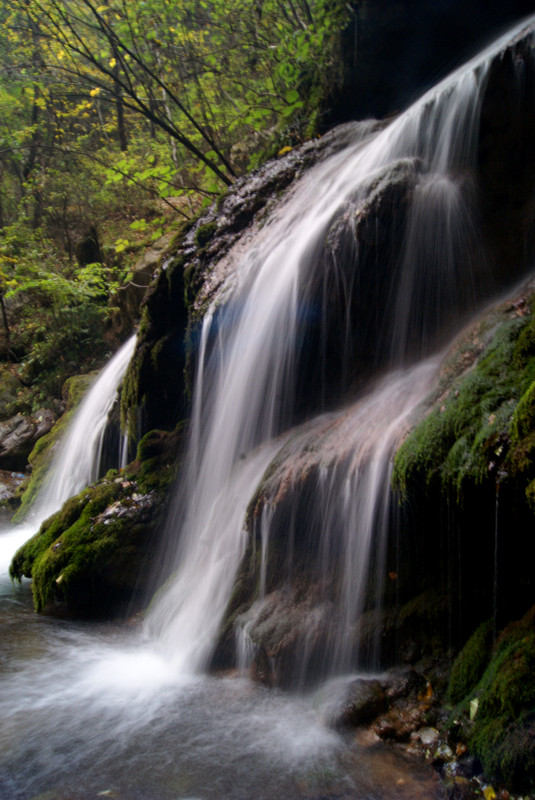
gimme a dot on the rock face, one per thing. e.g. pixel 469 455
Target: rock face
pixel 474 444
pixel 18 436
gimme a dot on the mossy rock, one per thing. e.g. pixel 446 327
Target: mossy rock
pixel 470 664
pixel 205 233
pixel 463 434
pixel 503 734
pixel 93 557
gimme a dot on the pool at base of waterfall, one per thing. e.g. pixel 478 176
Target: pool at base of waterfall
pixel 92 711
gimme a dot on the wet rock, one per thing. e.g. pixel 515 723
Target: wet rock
pixel 427 736
pixel 18 436
pixel 399 723
pixel 402 683
pixel 365 699
pixel 249 201
pixel 261 668
pixel 442 754
pixel 202 259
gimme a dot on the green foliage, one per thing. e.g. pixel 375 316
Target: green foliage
pixel 57 312
pixel 202 79
pixel 117 117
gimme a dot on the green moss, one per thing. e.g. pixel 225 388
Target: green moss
pixel 524 417
pixel 205 233
pixel 157 455
pixel 88 556
pixel 503 735
pixel 470 664
pixel 464 433
pixel 132 389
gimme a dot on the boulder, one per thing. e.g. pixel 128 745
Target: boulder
pixel 93 558
pixel 365 699
pixel 395 701
pixel 18 436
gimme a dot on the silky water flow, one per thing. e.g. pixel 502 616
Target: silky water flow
pixel 90 710
pixel 76 464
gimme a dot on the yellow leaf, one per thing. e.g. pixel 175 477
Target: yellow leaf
pixel 284 150
pixel 61 55
pixel 113 62
pixel 100 9
pixel 489 793
pixel 94 91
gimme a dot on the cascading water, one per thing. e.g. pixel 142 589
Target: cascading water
pixel 312 255
pixel 92 711
pixel 76 464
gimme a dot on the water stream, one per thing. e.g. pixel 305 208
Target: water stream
pixel 77 461
pixel 102 710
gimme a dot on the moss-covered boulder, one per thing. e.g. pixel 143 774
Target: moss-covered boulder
pixel 94 557
pixel 471 662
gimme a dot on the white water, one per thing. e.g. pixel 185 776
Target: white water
pixel 91 711
pixel 77 461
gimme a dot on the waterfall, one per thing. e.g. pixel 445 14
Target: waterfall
pixel 312 363
pixel 77 461
pixel 314 276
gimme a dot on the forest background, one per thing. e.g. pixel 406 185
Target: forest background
pixel 120 121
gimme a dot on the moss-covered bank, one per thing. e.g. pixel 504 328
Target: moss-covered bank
pixel 465 475
pixel 94 557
